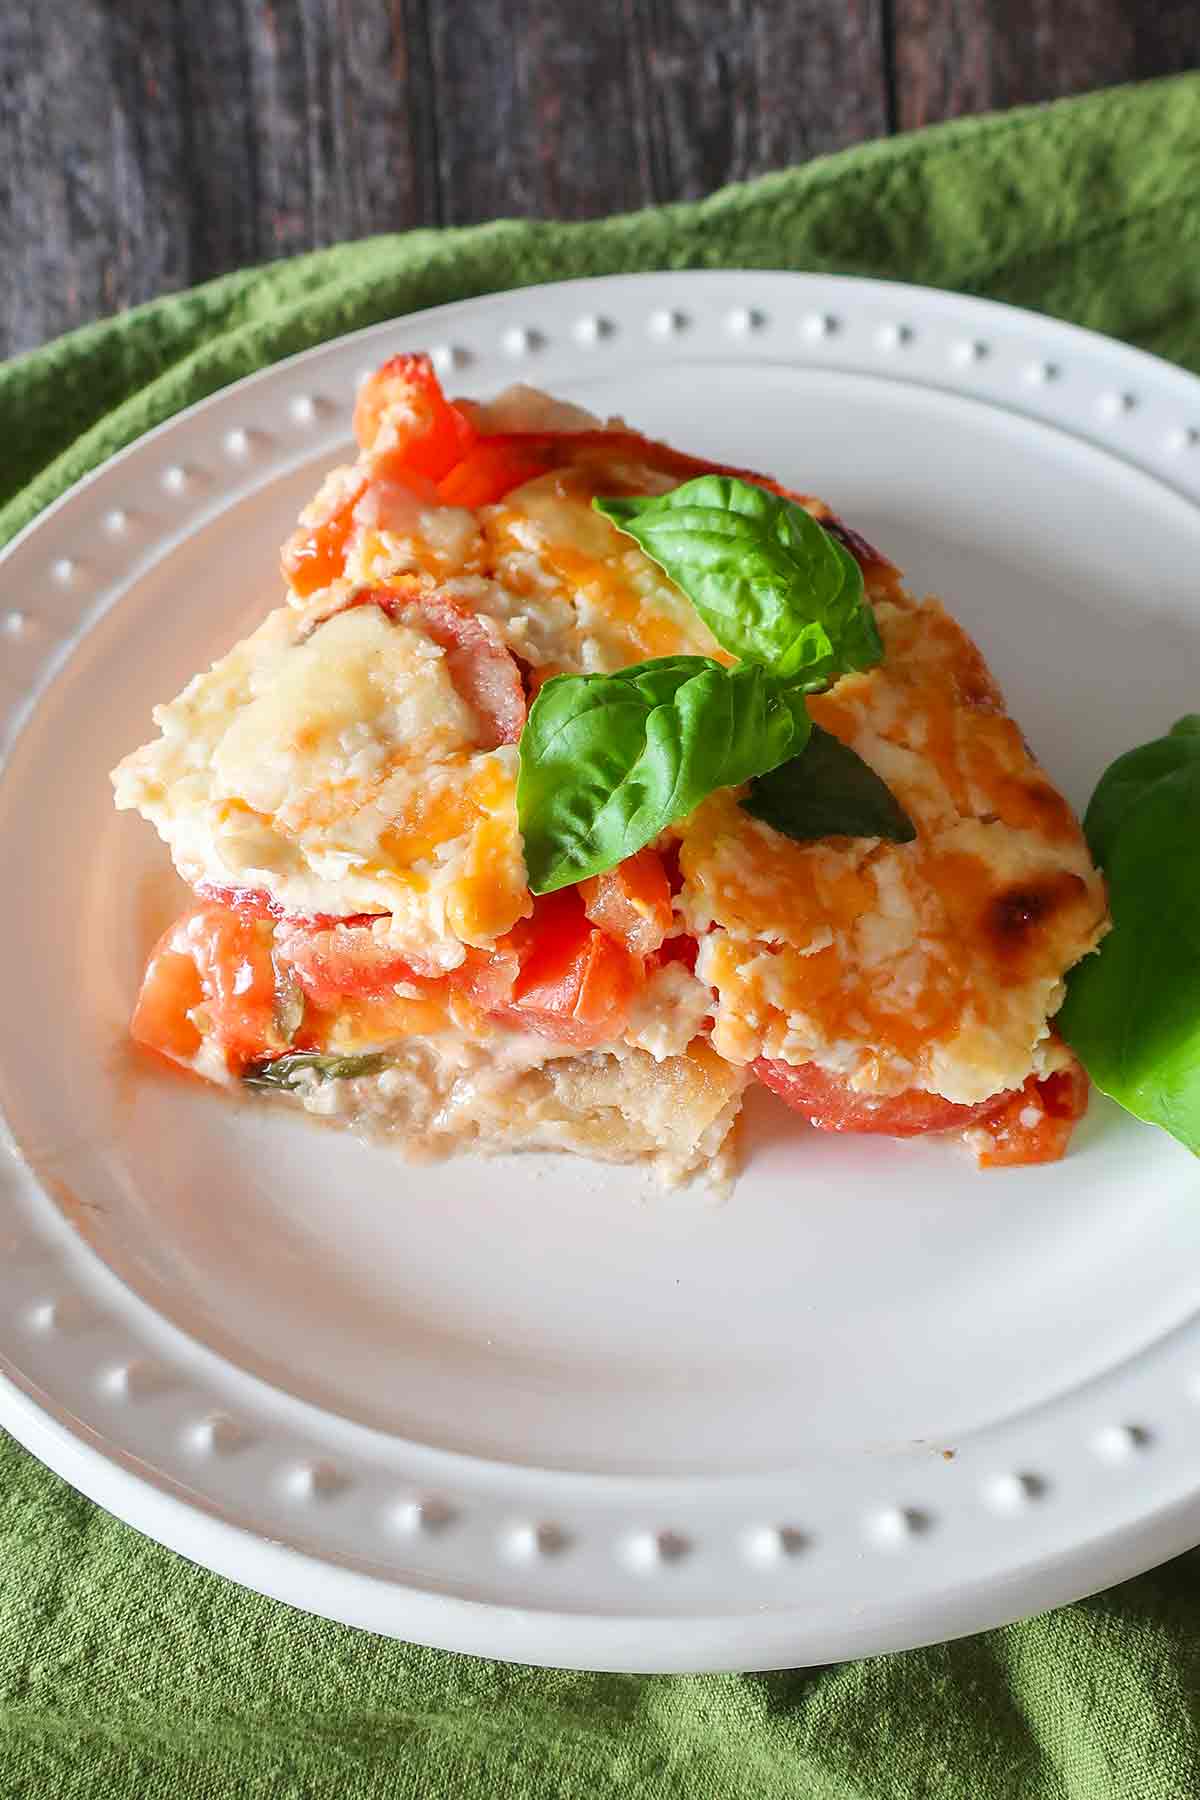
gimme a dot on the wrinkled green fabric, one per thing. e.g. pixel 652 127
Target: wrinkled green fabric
pixel 124 1670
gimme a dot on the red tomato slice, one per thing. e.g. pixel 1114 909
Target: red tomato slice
pixel 632 902
pixel 405 423
pixel 219 961
pixel 492 469
pixel 1035 1124
pixel 479 662
pixel 335 961
pixel 830 1104
pixel 316 555
pixel 558 975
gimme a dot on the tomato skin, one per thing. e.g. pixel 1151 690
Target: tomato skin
pixel 219 960
pixel 316 555
pixel 406 425
pixel 632 902
pixel 490 470
pixel 170 989
pixel 556 974
pixel 831 1105
pixel 1017 1138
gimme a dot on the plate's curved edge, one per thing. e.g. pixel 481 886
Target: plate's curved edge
pixel 636 1645
pixel 1107 418
pixel 977 306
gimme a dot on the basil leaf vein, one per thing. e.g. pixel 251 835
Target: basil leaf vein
pixel 284 1072
pixel 771 585
pixel 1132 1011
pixel 608 761
pixel 828 791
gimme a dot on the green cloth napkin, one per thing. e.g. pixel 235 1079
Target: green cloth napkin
pixel 126 1671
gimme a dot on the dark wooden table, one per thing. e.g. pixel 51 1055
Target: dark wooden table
pixel 149 144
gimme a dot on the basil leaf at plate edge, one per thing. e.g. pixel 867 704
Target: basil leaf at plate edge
pixel 771 585
pixel 608 761
pixel 828 791
pixel 1127 781
pixel 1132 1011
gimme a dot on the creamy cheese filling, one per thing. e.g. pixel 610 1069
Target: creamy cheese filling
pixel 331 763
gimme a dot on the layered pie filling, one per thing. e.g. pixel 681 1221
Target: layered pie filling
pixel 352 794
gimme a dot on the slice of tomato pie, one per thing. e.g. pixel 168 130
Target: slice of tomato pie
pixel 372 934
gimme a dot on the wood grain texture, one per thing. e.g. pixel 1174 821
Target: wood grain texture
pixel 532 103
pixel 953 57
pixel 545 110
pixel 728 91
pixel 148 144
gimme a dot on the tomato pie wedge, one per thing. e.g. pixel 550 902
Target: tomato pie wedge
pixel 580 782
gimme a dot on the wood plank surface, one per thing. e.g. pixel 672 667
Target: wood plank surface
pixel 953 57
pixel 149 144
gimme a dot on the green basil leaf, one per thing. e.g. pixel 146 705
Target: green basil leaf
pixel 828 791
pixel 607 761
pixel 770 584
pixel 285 1071
pixel 1128 781
pixel 1132 1012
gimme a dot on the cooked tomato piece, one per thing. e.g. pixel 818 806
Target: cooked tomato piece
pixel 405 423
pixel 315 555
pixel 490 470
pixel 632 902
pixel 332 962
pixel 171 989
pixel 829 1103
pixel 556 973
pixel 683 950
pixel 217 962
pixel 575 982
pixel 479 662
pixel 487 977
pixel 1035 1124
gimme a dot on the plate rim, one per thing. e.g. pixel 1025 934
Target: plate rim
pixel 782 1638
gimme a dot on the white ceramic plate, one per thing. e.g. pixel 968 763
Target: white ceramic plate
pixel 533 1408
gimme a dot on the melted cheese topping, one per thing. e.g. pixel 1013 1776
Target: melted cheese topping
pixel 331 762
pixel 600 601
pixel 933 964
